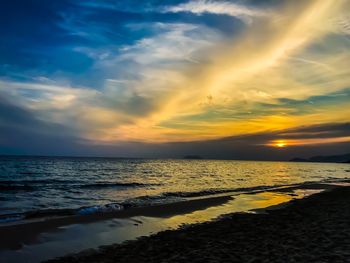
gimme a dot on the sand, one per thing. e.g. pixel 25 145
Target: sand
pixel 16 236
pixel 314 229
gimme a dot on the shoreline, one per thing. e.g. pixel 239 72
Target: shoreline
pixel 28 217
pixel 313 229
pixel 14 235
pixel 18 242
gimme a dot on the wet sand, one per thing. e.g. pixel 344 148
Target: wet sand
pixel 314 229
pixel 16 235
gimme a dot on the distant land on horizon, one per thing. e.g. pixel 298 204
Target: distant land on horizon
pixel 343 158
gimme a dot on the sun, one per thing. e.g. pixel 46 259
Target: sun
pixel 280 144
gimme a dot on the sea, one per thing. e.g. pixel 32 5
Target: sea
pixel 49 186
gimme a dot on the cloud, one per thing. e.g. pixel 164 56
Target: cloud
pixel 304 136
pixel 168 76
pixel 199 7
pixel 254 69
pixel 175 42
pixel 254 146
pixel 22 132
pixel 153 78
pixel 340 24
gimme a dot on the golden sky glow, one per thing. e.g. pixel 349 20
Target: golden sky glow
pixel 285 143
pixel 280 144
pixel 269 61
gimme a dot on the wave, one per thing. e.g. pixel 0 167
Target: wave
pixel 115 184
pixel 35 214
pixel 11 218
pixel 215 191
pixel 141 201
pixel 108 208
pixel 38 181
pixel 44 213
pixel 15 187
pixel 30 185
pixel 27 172
pixel 246 189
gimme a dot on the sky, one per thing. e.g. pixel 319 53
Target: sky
pixel 245 79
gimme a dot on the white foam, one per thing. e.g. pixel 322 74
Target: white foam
pixel 11 219
pixel 100 209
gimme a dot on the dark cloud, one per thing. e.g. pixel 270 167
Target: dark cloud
pixel 327 130
pixel 250 147
pixel 22 133
pixel 318 131
pixel 12 115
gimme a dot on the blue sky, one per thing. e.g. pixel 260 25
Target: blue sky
pixel 65 39
pixel 165 78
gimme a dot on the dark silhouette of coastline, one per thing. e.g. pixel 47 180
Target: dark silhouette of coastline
pixel 344 158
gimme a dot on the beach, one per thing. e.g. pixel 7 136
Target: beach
pixel 174 131
pixel 313 229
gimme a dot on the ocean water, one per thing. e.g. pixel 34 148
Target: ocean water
pixel 44 186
